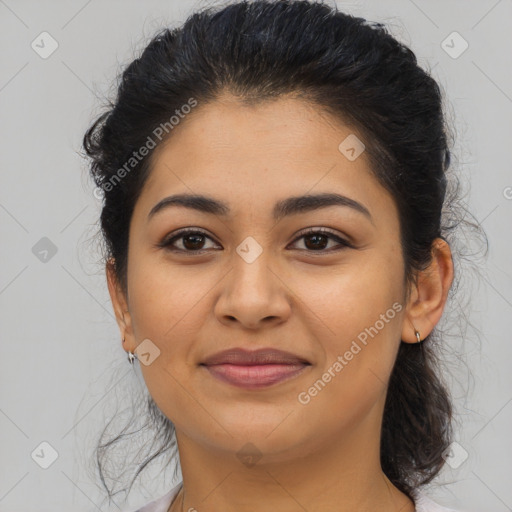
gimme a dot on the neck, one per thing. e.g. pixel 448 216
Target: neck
pixel 342 477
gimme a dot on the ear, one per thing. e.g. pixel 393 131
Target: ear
pixel 120 305
pixel 426 302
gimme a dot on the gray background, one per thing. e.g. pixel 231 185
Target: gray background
pixel 62 368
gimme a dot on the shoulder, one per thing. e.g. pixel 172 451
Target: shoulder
pixel 425 504
pixel 160 504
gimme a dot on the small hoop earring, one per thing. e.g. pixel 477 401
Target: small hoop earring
pixel 418 337
pixel 131 356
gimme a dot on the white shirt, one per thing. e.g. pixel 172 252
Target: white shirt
pixel 422 502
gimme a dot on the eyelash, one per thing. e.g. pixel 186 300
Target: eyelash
pixel 167 243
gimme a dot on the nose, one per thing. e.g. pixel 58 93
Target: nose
pixel 253 295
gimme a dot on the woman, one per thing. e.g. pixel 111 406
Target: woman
pixel 274 176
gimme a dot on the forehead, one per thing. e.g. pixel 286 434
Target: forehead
pixel 254 155
pixel 285 127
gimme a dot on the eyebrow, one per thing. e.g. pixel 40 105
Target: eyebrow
pixel 283 208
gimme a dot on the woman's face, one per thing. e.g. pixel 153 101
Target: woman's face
pixel 253 281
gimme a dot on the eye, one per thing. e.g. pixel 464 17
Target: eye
pixel 196 241
pixel 319 237
pixel 191 240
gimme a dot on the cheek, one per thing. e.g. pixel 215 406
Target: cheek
pixel 164 303
pixel 163 297
pixel 347 298
pixel 357 360
pixel 357 316
pixel 167 307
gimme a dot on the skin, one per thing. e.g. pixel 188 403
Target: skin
pixel 319 456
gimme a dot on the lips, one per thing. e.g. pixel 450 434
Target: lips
pixel 255 369
pixel 264 356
